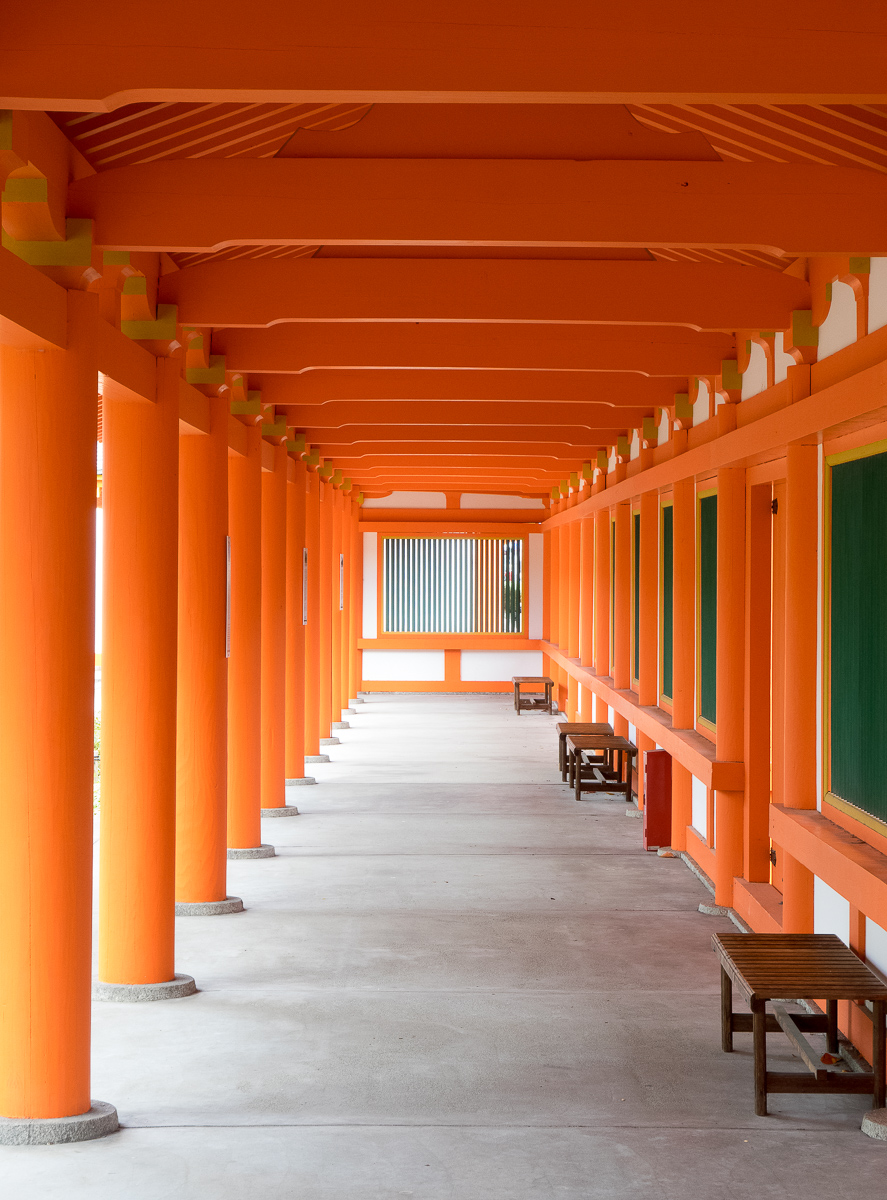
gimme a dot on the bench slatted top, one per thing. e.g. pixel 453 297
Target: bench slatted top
pixel 532 679
pixel 600 741
pixel 802 966
pixel 567 727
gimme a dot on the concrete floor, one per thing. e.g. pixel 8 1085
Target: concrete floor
pixel 453 983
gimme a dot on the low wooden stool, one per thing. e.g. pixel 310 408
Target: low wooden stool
pixel 539 700
pixel 798 966
pixel 587 773
pixel 565 727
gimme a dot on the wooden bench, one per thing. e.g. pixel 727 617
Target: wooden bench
pixel 600 762
pixel 540 700
pixel 565 727
pixel 798 966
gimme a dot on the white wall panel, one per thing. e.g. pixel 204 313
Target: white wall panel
pixel 405 666
pixel 876 945
pixel 831 912
pixel 489 500
pixel 370 584
pixel 699 807
pixel 535 585
pixel 498 666
pixel 839 328
pixel 407 500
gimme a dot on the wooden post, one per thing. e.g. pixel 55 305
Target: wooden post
pixel 245 661
pixel 294 763
pixel 601 601
pixel 274 489
pixel 799 782
pixel 684 605
pixel 757 685
pixel 575 578
pixel 586 593
pixel 312 629
pixel 139 673
pixel 202 706
pixel 730 684
pixel 622 608
pixel 648 651
pixel 47 630
pixel 325 569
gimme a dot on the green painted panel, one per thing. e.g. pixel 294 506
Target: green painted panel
pixel 858 673
pixel 708 606
pixel 667 600
pixel 636 595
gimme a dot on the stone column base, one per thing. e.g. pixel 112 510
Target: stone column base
pixel 263 851
pixel 134 993
pixel 874 1123
pixel 208 908
pixel 348 712
pixel 316 758
pixel 330 741
pixel 339 725
pixel 285 810
pixel 99 1121
pixel 303 782
pixel 357 700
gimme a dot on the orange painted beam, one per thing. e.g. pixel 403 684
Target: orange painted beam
pixel 33 309
pixel 700 296
pixel 446 516
pixel 571 438
pixel 198 205
pixel 646 350
pixel 471 52
pixel 355 392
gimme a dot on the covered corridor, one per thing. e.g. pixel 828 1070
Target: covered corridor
pixel 452 981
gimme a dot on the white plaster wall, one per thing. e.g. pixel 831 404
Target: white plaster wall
pixel 408 500
pixel 535 585
pixel 839 328
pixel 781 360
pixel 406 666
pixel 877 294
pixel 876 945
pixel 632 733
pixel 755 378
pixel 634 448
pixel 610 715
pixel 370 597
pixel 701 405
pixel 498 666
pixel 488 500
pixel 699 806
pixel 831 912
pixel 663 428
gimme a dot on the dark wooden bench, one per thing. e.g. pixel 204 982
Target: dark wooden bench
pixel 565 727
pixel 540 699
pixel 600 762
pixel 798 966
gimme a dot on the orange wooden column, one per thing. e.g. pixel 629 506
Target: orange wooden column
pixel 325 623
pixel 601 602
pixel 312 629
pixel 47 630
pixel 622 606
pixel 648 590
pixel 294 709
pixel 245 661
pixel 554 573
pixel 730 685
pixel 799 783
pixel 347 611
pixel 139 676
pixel 273 706
pixel 563 589
pixel 202 706
pixel 758 626
pixel 336 599
pixel 355 615
pixel 575 577
pixel 586 592
pixel 684 605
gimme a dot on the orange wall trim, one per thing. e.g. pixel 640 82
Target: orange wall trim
pixel 702 855
pixel 691 750
pixel 856 870
pixel 450 641
pixel 759 905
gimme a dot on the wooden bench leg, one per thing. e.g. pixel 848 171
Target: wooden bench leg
pixel 831 1010
pixel 759 1036
pixel 878 1050
pixel 726 1012
pixel 562 757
